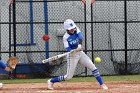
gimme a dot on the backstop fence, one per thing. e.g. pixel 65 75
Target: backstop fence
pixel 110 27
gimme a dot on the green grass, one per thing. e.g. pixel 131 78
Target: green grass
pixel 122 78
pixel 77 79
pixel 108 78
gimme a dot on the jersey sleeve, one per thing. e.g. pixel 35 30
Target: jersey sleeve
pixel 2 65
pixel 80 35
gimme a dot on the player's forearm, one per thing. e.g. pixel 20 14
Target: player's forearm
pixel 80 41
pixel 80 36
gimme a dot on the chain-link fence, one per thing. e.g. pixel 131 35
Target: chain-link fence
pixel 110 28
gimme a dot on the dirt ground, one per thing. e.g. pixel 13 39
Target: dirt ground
pixel 79 87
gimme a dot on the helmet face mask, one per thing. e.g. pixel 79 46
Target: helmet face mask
pixel 69 24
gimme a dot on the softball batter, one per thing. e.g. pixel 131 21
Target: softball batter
pixel 72 40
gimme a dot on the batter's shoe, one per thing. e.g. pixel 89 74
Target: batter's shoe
pixel 103 86
pixel 50 85
pixel 1 85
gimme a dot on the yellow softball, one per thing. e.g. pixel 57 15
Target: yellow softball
pixel 97 59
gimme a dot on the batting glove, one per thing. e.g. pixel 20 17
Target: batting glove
pixel 79 47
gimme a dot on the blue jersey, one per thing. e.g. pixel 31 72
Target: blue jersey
pixel 71 41
pixel 2 65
